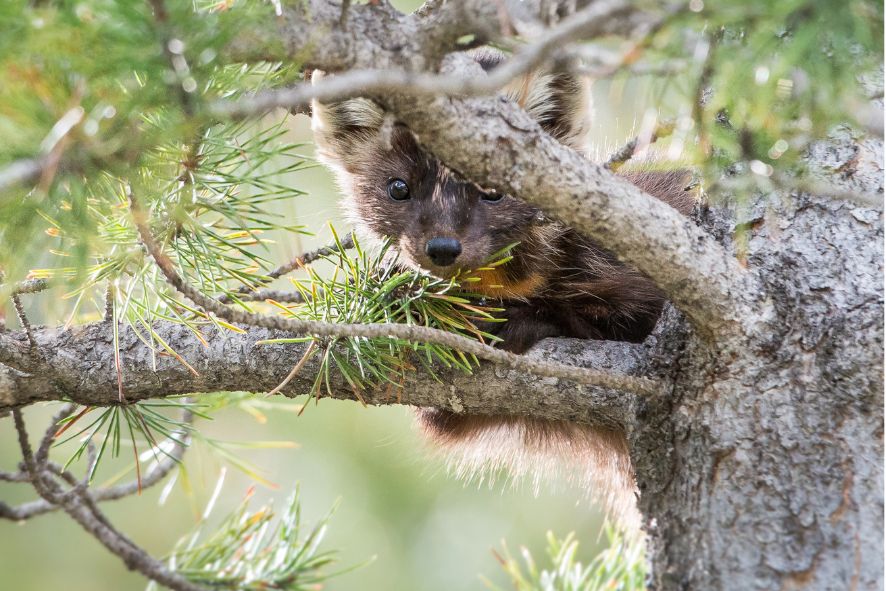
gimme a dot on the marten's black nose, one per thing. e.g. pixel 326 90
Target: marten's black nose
pixel 443 251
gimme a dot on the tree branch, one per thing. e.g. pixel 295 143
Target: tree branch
pixel 22 172
pixel 347 242
pixel 171 458
pixel 497 143
pixel 590 22
pixel 79 366
pixel 411 333
pixel 77 503
pixel 662 129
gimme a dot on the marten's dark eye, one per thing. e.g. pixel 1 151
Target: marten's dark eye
pixel 398 189
pixel 492 197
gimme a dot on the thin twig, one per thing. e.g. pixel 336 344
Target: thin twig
pixel 278 295
pixel 586 23
pixel 789 184
pixel 81 507
pixel 50 435
pixel 347 242
pixel 171 458
pixel 22 171
pixel 23 320
pixel 703 90
pixel 662 129
pixel 643 36
pixel 110 297
pixel 28 286
pixel 428 8
pixel 411 333
pixel 297 368
pixel 13 477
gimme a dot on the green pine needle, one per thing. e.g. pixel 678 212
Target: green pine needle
pixel 257 551
pixel 374 288
pixel 621 567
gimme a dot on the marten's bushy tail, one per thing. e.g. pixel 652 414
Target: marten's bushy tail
pixel 593 458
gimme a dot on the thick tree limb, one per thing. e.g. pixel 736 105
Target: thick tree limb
pixel 79 366
pixel 493 140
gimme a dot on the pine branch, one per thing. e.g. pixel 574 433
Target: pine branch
pixel 171 458
pixel 80 368
pixel 77 503
pixel 704 280
pixel 409 333
pixel 586 23
pixel 298 262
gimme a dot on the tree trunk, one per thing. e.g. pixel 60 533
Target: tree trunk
pixel 763 469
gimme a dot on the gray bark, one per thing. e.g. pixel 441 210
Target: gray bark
pixel 760 466
pixel 763 469
pixel 78 364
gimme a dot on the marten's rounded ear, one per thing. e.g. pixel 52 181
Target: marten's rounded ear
pixel 559 101
pixel 341 128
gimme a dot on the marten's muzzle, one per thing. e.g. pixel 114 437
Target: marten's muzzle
pixel 443 251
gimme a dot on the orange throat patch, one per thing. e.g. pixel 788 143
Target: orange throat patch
pixel 494 283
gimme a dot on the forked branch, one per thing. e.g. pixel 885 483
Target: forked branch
pixel 82 508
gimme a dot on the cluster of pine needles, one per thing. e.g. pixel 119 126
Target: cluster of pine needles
pixel 373 287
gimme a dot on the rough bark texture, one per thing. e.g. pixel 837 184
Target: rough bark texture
pixel 78 364
pixel 708 286
pixel 761 467
pixel 764 468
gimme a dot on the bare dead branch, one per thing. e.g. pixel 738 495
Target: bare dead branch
pixel 662 129
pixel 28 286
pixel 23 319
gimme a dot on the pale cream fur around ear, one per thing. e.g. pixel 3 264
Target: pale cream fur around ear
pixel 342 128
pixel 560 101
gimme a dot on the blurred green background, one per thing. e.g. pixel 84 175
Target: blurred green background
pixel 426 530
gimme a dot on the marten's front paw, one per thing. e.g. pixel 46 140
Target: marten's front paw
pixel 523 327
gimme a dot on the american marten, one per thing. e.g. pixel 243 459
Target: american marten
pixel 558 283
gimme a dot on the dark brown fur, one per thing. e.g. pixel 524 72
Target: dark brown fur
pixel 558 283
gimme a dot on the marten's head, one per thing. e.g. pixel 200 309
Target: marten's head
pixel 438 220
